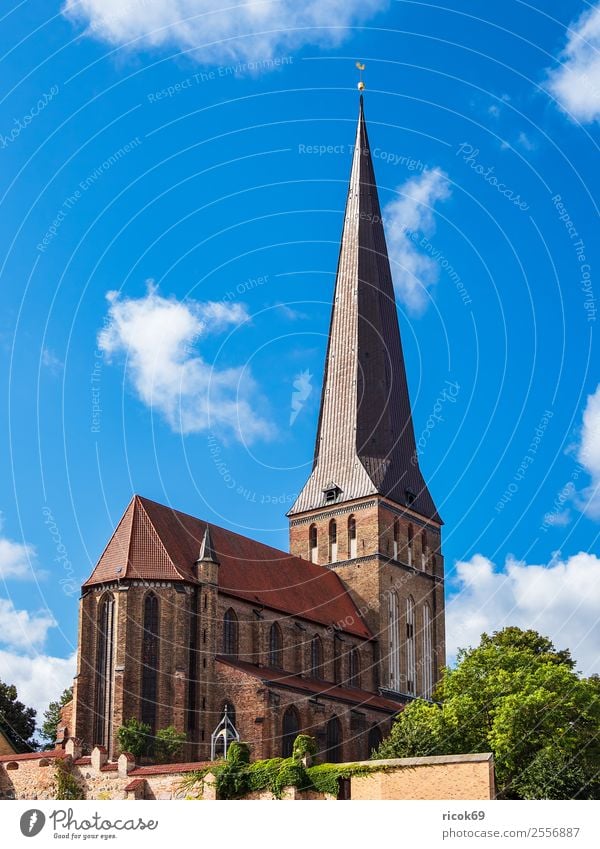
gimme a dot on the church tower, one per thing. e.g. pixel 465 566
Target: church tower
pixel 365 510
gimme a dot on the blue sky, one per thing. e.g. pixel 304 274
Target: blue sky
pixel 172 198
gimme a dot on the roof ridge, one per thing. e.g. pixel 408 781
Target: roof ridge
pixel 236 534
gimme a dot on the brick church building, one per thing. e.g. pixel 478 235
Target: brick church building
pixel 180 619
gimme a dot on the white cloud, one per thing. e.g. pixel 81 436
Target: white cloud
pixel 39 680
pixel 525 142
pixel 250 30
pixel 51 361
pixel 158 336
pixel 409 224
pixel 15 558
pixel 576 81
pixel 22 629
pixel 588 454
pixel 560 600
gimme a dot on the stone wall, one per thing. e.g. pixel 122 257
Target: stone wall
pixel 446 777
pixel 33 776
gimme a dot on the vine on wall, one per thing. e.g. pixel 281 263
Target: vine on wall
pixel 237 777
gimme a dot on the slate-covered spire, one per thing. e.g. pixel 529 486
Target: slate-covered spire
pixel 365 440
pixel 207 551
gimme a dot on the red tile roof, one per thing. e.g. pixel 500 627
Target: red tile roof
pixel 159 769
pixel 325 689
pixel 32 756
pixel 155 542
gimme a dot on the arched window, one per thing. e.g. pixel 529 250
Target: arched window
pixel 334 741
pixel 313 544
pixel 394 641
pixel 105 672
pixel 352 547
pixel 423 549
pixel 433 564
pixel 290 729
pixel 150 643
pixel 332 541
pixel 427 652
pixel 354 668
pixel 316 657
pixel 411 667
pixel 410 545
pixel 337 659
pixel 375 739
pixel 275 646
pixel 230 634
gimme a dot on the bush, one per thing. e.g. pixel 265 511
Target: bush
pixel 168 744
pixel 67 787
pixel 135 737
pixel 238 754
pixel 304 745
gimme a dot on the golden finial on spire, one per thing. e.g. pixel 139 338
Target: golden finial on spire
pixel 361 67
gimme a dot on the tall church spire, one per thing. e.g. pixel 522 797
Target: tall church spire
pixel 365 440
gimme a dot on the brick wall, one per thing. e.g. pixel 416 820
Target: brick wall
pixel 259 712
pixel 396 551
pixel 449 777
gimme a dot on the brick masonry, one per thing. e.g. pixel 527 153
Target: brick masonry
pixel 33 777
pixel 391 574
pixel 385 562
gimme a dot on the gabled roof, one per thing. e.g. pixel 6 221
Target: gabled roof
pixel 154 542
pixel 365 438
pixel 313 688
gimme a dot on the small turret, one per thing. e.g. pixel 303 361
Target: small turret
pixel 207 564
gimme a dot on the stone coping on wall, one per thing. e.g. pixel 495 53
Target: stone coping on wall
pixel 433 760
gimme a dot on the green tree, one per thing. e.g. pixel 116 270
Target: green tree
pixel 16 720
pixel 135 737
pixel 168 744
pixel 518 697
pixel 52 716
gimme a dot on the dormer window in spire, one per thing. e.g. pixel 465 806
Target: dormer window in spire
pixel 332 492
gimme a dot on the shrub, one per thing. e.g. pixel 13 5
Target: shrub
pixel 304 745
pixel 135 737
pixel 168 744
pixel 67 787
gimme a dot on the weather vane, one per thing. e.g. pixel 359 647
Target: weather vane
pixel 361 67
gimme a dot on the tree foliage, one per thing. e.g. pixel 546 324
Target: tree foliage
pixel 518 697
pixel 52 716
pixel 135 737
pixel 17 721
pixel 168 744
